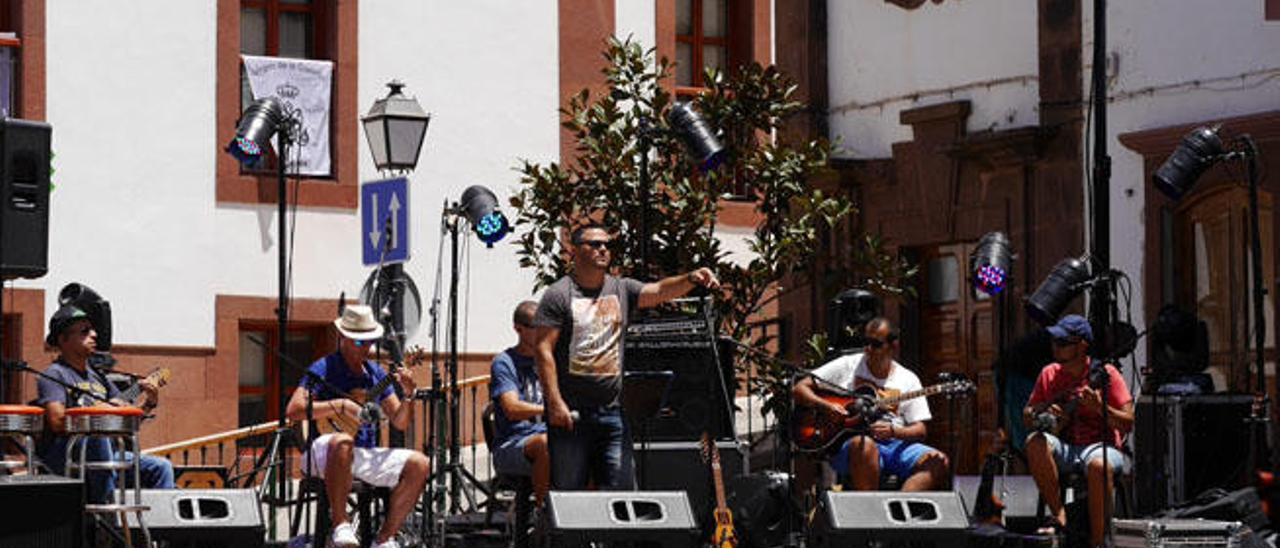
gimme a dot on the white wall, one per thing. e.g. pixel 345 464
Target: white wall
pixel 1159 44
pixel 878 51
pixel 134 214
pixel 636 19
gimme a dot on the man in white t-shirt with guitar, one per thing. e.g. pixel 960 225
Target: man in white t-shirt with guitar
pixel 338 456
pixel 892 443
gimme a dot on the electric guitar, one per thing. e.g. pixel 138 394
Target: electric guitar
pixel 817 430
pixel 367 399
pixel 724 536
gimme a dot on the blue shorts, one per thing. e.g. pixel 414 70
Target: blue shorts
pixel 897 457
pixel 509 459
pixel 1076 456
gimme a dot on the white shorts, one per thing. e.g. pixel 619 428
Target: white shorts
pixel 377 466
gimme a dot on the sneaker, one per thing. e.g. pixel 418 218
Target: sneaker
pixel 390 543
pixel 344 536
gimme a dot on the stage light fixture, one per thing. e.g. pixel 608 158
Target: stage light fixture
pixel 257 126
pixel 702 142
pixel 97 308
pixel 480 207
pixel 1063 284
pixel 991 263
pixel 1198 151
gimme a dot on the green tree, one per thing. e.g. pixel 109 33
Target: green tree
pixel 603 184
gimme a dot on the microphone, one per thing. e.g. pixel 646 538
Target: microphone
pixel 370 413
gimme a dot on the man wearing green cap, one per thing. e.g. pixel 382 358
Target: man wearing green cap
pixel 71 332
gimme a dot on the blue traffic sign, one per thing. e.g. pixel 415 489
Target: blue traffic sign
pixel 384 221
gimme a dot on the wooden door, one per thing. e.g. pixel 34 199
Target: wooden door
pixel 957 334
pixel 1214 277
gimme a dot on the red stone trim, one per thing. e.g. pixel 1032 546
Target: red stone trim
pixel 341 191
pixel 585 26
pixel 26 307
pixel 1271 10
pixel 31 86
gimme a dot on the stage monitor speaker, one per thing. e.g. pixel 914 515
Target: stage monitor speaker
pixel 847 518
pixel 1019 494
pixel 203 517
pixel 41 511
pixel 24 198
pixel 678 466
pixel 1185 445
pixel 663 518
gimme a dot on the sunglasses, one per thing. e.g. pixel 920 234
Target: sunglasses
pixel 360 343
pixel 877 343
pixel 595 244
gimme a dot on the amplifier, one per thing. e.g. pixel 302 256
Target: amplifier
pixel 678 465
pixel 578 518
pixel 41 511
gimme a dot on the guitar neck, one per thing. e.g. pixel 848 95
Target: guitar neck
pixel 385 382
pixel 928 391
pixel 715 468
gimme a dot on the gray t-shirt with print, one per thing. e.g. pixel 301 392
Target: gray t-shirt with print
pixel 589 352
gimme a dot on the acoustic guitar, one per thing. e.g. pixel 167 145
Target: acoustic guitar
pixel 817 430
pixel 367 399
pixel 159 377
pixel 724 536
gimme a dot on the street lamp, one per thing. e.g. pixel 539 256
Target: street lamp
pixel 395 128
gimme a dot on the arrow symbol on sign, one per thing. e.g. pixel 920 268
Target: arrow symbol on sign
pixel 373 219
pixel 395 220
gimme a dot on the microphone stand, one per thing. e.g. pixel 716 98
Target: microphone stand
pixel 794 372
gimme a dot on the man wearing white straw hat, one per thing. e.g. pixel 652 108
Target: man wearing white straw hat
pixel 339 456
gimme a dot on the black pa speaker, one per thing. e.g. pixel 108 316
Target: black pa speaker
pixel 24 198
pixel 855 519
pixel 678 466
pixel 41 511
pixel 1019 494
pixel 660 517
pixel 205 518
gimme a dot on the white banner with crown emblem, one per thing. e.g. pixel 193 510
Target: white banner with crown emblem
pixel 303 86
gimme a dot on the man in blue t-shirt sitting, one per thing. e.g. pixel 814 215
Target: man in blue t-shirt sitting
pixel 339 456
pixel 520 444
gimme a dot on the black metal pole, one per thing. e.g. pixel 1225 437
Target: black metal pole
pixel 282 303
pixel 455 452
pixel 1262 414
pixel 644 199
pixel 1100 306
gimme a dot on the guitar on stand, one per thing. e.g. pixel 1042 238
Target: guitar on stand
pixel 724 535
pixel 817 431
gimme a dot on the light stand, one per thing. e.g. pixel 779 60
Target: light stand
pixel 1199 150
pixel 260 121
pixel 478 209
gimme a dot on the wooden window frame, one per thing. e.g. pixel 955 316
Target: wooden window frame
pixel 323 342
pixel 339 190
pixel 697 41
pixel 1271 10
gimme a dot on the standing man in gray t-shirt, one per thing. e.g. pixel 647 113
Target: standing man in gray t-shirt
pixel 579 355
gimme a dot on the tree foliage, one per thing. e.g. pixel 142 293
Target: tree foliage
pixel 603 184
